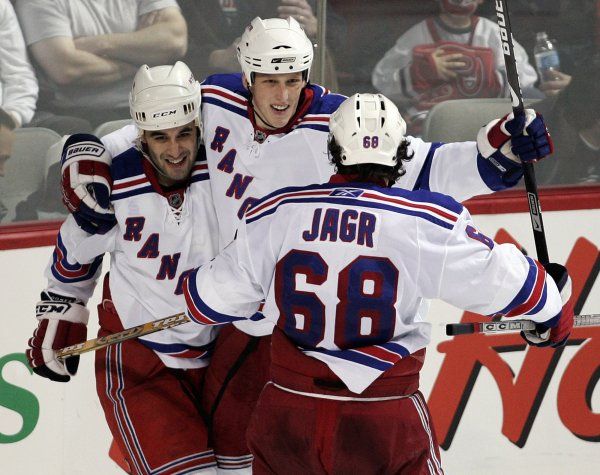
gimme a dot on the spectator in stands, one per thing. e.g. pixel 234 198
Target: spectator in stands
pixel 18 86
pixel 573 115
pixel 7 138
pixel 454 55
pixel 88 51
pixel 18 91
pixel 215 25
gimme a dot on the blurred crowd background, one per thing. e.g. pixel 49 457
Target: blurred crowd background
pixel 66 66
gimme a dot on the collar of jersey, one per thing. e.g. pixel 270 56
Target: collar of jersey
pixel 353 178
pixel 303 106
pixel 150 172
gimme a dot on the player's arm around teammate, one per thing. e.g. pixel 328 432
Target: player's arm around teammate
pixel 344 267
pixel 163 226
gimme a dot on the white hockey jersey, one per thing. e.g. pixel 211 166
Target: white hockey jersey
pixel 243 170
pixel 152 248
pixel 392 75
pixel 344 269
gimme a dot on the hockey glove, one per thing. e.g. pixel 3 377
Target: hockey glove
pixel 87 183
pixel 521 139
pixel 62 322
pixel 556 331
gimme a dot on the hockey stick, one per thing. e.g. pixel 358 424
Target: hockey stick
pixel 128 334
pixel 535 210
pixel 505 326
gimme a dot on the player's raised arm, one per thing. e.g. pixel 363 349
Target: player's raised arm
pixel 491 163
pixel 504 282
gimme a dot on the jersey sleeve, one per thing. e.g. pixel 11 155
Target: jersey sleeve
pixel 482 276
pixel 228 288
pixel 456 169
pixel 76 262
pixel 120 140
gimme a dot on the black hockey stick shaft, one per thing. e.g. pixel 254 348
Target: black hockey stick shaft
pixel 512 74
pixel 505 326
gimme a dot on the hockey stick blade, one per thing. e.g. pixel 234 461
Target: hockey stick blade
pixel 506 326
pixel 128 334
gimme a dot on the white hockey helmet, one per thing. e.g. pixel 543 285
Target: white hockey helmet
pixel 274 46
pixel 369 129
pixel 163 97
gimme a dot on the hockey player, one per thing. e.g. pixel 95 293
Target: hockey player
pixel 165 224
pixel 267 128
pixel 344 268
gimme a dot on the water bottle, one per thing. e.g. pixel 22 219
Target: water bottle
pixel 546 57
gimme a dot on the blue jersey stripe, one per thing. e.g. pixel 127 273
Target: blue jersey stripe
pixel 175 347
pixel 200 177
pixel 526 289
pixel 128 194
pixel 225 105
pixel 353 356
pixel 320 128
pixel 355 203
pixel 422 182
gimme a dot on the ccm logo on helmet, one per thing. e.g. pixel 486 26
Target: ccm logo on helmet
pixel 502 25
pixel 288 59
pixel 164 113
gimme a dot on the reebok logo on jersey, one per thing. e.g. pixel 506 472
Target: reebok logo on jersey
pixel 288 59
pixel 350 192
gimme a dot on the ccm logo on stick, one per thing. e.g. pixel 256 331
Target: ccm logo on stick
pixel 502 25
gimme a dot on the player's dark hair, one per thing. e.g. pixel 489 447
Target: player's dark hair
pixel 370 172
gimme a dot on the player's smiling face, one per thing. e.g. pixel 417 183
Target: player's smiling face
pixel 275 98
pixel 173 152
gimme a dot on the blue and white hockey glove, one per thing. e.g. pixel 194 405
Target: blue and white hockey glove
pixel 62 322
pixel 87 183
pixel 524 139
pixel 556 331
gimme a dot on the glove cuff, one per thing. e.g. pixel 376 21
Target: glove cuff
pixel 85 151
pixel 66 311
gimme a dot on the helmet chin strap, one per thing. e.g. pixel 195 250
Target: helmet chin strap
pixel 256 110
pixel 263 120
pixel 143 147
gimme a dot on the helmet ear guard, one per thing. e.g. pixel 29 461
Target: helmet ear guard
pixel 274 46
pixel 163 97
pixel 368 129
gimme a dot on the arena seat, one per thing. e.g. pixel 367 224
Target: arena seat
pixel 461 119
pixel 26 168
pixel 111 126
